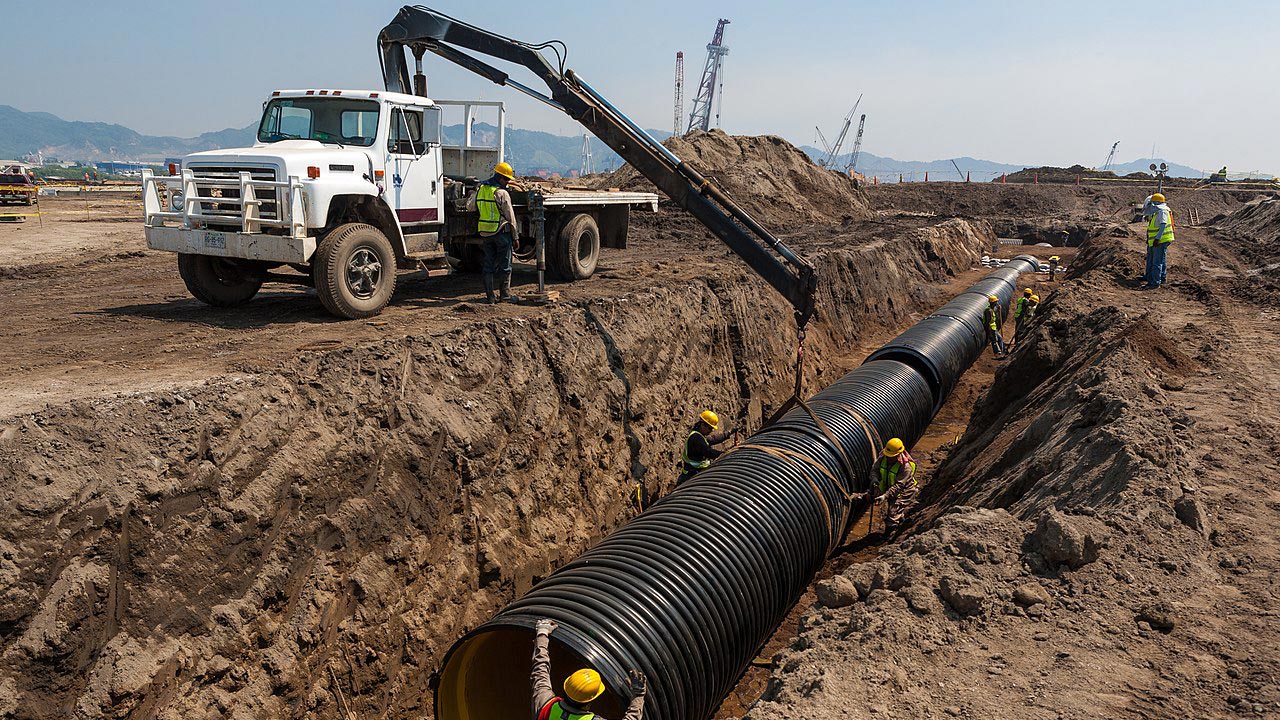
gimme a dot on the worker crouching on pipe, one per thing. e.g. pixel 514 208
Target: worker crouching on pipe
pixel 698 445
pixel 893 480
pixel 580 688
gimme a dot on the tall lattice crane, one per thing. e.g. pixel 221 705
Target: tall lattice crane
pixel 1111 156
pixel 857 146
pixel 712 74
pixel 679 93
pixel 588 164
pixel 833 150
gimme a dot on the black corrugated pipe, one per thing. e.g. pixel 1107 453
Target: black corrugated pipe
pixel 689 591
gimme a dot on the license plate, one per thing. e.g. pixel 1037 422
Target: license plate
pixel 215 240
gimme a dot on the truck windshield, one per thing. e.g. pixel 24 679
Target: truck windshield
pixel 327 119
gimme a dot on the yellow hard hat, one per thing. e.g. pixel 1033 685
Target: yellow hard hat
pixel 1035 298
pixel 583 686
pixel 505 170
pixel 893 448
pixel 993 298
pixel 1026 291
pixel 710 418
pixel 1158 197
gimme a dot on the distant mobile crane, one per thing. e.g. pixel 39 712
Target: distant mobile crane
pixel 857 146
pixel 833 150
pixel 1111 157
pixel 711 89
pixel 679 93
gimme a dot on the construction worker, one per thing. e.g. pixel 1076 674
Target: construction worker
pixel 1019 315
pixel 580 688
pixel 499 229
pixel 1220 176
pixel 993 321
pixel 1159 235
pixel 698 451
pixel 1053 268
pixel 893 480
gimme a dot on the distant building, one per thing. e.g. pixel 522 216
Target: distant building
pixel 113 167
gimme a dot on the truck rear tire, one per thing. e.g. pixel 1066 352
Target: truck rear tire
pixel 217 281
pixel 355 271
pixel 576 250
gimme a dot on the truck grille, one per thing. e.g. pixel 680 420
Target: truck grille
pixel 270 197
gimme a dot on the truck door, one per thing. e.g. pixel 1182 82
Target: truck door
pixel 413 165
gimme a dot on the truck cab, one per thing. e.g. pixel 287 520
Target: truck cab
pixel 343 188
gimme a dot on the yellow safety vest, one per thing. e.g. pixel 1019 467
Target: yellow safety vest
pixel 555 711
pixel 1165 237
pixel 1017 309
pixel 688 462
pixel 487 204
pixel 889 475
pixel 989 317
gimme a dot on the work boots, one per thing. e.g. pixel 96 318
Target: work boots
pixel 489 297
pixel 506 295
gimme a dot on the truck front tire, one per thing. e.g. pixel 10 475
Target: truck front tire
pixel 216 281
pixel 576 250
pixel 355 271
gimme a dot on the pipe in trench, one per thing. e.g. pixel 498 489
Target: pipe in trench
pixel 689 590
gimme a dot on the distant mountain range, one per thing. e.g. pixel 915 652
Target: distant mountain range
pixel 531 151
pixel 889 168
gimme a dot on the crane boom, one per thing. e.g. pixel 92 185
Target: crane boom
pixel 420 29
pixel 857 145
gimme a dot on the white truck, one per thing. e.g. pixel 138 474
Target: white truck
pixel 342 189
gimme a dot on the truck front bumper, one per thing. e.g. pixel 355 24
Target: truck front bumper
pixel 256 246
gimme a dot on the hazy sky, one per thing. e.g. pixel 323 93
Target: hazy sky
pixel 1023 82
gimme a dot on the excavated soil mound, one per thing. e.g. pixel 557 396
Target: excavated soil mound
pixel 1253 232
pixel 769 177
pixel 1055 174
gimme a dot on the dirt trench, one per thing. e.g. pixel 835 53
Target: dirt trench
pixel 1101 541
pixel 298 541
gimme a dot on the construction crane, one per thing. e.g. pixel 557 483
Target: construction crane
pixel 712 74
pixel 679 93
pixel 1111 156
pixel 958 170
pixel 857 146
pixel 419 30
pixel 588 166
pixel 833 151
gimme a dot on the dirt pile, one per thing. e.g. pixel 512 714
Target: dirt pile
pixel 1253 232
pixel 769 177
pixel 277 544
pixel 1050 174
pixel 1101 542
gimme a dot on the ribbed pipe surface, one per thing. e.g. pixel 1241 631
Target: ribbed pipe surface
pixel 689 590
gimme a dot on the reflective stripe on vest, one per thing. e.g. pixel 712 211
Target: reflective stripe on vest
pixel 487 204
pixel 989 318
pixel 1152 225
pixel 554 711
pixel 889 475
pixel 1017 309
pixel 700 464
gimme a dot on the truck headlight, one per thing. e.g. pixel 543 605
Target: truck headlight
pixel 176 202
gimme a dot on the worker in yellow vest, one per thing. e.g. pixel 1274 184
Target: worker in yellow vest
pixel 580 688
pixel 499 229
pixel 893 482
pixel 1020 316
pixel 698 451
pixel 1159 236
pixel 993 323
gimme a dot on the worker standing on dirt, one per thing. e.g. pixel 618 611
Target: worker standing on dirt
pixel 993 321
pixel 1019 313
pixel 580 688
pixel 893 479
pixel 1159 235
pixel 1027 309
pixel 698 451
pixel 499 229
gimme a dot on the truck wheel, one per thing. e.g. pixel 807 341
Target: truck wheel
pixel 216 281
pixel 470 258
pixel 355 271
pixel 576 251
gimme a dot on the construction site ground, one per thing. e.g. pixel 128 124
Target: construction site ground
pixel 270 513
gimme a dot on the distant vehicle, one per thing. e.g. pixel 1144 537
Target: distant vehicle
pixel 346 187
pixel 17 189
